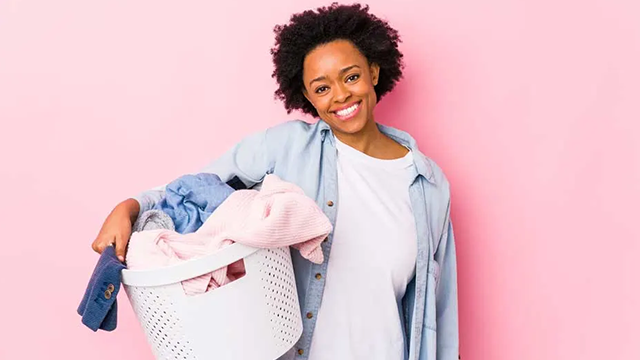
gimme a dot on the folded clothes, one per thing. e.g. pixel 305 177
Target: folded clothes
pixel 158 248
pixel 280 214
pixel 191 199
pixel 99 308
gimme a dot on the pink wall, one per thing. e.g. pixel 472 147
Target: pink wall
pixel 531 107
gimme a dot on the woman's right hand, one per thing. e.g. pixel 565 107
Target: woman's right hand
pixel 116 229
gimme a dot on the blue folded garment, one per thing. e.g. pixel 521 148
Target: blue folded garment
pixel 99 308
pixel 191 199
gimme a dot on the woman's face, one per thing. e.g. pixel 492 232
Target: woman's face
pixel 339 82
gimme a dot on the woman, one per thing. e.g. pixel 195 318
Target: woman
pixel 387 289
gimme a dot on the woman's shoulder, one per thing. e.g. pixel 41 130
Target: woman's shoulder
pixel 293 134
pixel 294 127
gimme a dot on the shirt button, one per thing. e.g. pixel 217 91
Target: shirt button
pixel 107 294
pixel 111 288
pixel 330 203
pixel 318 276
pixel 300 351
pixel 309 315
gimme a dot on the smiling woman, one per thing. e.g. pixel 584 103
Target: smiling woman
pixel 345 87
pixel 339 81
pixel 375 295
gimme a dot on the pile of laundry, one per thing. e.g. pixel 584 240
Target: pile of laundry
pixel 199 215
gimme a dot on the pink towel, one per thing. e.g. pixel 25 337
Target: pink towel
pixel 280 214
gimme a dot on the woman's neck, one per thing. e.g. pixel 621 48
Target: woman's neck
pixel 371 141
pixel 364 140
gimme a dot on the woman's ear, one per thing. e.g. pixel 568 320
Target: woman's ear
pixel 375 73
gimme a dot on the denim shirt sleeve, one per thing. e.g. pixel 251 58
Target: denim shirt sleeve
pixel 447 295
pixel 249 160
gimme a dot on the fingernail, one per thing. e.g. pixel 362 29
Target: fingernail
pixel 121 258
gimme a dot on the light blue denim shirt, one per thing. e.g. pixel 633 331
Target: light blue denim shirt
pixel 305 154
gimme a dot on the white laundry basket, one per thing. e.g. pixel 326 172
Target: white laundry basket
pixel 255 317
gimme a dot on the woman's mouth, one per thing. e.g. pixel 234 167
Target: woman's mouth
pixel 348 113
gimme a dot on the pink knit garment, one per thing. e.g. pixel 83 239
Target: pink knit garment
pixel 280 214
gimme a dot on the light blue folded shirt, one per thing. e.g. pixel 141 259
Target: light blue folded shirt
pixel 191 199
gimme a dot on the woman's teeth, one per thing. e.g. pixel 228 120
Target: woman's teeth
pixel 348 111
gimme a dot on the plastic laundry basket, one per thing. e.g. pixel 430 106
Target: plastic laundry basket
pixel 255 317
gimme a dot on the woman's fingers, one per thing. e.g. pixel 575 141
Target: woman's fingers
pixel 121 246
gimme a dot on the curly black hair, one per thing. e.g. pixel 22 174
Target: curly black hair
pixel 375 39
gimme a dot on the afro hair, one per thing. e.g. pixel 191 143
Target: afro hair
pixel 375 39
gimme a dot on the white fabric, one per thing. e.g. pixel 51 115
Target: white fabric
pixel 374 253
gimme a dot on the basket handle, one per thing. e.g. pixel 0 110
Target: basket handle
pixel 188 269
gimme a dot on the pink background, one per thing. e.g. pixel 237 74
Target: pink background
pixel 531 107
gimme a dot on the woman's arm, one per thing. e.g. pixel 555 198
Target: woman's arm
pixel 249 160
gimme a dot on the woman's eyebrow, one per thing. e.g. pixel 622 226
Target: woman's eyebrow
pixel 348 68
pixel 344 70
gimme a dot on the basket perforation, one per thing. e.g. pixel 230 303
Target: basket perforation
pixel 161 324
pixel 269 304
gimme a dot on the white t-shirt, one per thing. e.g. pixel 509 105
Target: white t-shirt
pixel 372 260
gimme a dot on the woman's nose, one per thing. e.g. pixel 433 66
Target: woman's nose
pixel 342 93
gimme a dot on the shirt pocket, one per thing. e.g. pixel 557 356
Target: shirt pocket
pixel 433 275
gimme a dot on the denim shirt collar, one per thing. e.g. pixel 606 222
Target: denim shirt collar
pixel 423 167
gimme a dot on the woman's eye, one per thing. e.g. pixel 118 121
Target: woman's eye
pixel 321 89
pixel 353 77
